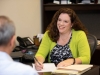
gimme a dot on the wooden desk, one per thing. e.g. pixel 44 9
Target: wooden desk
pixel 93 71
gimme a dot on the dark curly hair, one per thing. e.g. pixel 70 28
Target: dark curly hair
pixel 53 30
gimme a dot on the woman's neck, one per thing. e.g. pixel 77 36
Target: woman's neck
pixel 64 38
pixel 65 35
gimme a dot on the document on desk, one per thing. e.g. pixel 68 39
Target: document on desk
pixel 74 69
pixel 47 67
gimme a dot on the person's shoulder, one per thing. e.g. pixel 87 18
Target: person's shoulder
pixel 16 68
pixel 23 68
pixel 46 34
pixel 78 32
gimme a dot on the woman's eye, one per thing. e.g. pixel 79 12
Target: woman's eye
pixel 65 21
pixel 59 19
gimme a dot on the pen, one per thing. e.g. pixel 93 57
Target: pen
pixel 37 60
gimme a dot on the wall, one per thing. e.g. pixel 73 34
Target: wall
pixel 26 15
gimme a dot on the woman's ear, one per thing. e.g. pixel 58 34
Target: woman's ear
pixel 72 25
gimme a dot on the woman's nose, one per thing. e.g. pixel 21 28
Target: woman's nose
pixel 61 23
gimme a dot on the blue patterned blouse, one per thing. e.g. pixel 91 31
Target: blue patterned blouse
pixel 60 53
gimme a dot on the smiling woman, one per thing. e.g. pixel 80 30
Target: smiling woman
pixel 64 22
pixel 65 41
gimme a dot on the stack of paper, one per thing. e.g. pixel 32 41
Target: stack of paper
pixel 73 69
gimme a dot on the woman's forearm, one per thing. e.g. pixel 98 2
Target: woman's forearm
pixel 40 59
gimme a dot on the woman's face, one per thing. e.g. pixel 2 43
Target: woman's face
pixel 64 23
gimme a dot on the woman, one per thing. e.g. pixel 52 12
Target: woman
pixel 64 41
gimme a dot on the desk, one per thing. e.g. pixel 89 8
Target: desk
pixel 94 71
pixel 17 56
pixel 23 55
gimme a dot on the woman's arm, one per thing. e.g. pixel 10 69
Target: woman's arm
pixel 44 47
pixel 40 59
pixel 42 51
pixel 70 61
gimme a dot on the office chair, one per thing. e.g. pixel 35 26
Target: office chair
pixel 92 42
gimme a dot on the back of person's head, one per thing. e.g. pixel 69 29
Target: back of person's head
pixel 77 24
pixel 7 30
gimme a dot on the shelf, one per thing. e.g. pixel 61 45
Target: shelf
pixel 53 7
pixel 89 14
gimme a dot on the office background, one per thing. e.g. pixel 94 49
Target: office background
pixel 26 15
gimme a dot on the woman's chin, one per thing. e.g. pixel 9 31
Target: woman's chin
pixel 61 32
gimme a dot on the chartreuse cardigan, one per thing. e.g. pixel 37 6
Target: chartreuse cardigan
pixel 79 46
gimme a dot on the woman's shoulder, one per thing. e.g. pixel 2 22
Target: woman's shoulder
pixel 78 32
pixel 46 33
pixel 46 36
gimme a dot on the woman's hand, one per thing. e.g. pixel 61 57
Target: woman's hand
pixel 38 66
pixel 39 63
pixel 66 62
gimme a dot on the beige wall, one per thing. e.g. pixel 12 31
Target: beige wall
pixel 26 15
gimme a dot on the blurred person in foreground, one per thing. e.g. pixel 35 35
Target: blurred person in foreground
pixel 7 44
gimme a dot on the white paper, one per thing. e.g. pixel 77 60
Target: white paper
pixel 47 67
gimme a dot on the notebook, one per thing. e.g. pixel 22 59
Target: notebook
pixel 70 70
pixel 74 69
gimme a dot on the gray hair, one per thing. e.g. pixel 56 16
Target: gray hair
pixel 7 31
